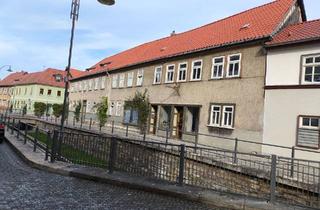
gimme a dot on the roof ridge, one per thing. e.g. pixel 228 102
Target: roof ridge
pixel 305 22
pixel 208 24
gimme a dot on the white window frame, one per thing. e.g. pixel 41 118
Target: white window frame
pixel 179 72
pixel 217 121
pixel 313 65
pixel 122 78
pixel 90 81
pixel 214 64
pixel 130 76
pixel 155 75
pixel 223 116
pixel 96 83
pixel 103 83
pixel 193 68
pixel 115 79
pixel 234 62
pixel 171 71
pixel 140 73
pixel 308 127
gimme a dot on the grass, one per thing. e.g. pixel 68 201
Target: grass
pixel 72 154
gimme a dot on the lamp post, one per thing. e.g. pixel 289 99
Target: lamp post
pixel 74 15
pixel 9 68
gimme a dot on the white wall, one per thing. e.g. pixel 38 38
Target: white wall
pixel 283 106
pixel 283 65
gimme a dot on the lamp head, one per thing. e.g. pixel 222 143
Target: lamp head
pixel 107 2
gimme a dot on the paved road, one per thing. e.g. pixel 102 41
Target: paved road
pixel 22 187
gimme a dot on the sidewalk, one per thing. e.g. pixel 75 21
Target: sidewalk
pixel 214 199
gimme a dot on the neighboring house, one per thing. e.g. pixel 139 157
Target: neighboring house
pixel 87 90
pixel 46 86
pixel 6 89
pixel 205 82
pixel 292 101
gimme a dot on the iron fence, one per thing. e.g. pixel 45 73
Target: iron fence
pixel 268 177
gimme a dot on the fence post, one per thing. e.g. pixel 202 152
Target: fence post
pixel 53 147
pixel 127 130
pixel 144 132
pixel 196 140
pixel 235 154
pixel 36 139
pixel 292 161
pixel 112 128
pixel 273 176
pixel 12 127
pixel 8 124
pixel 47 145
pixel 81 121
pixel 167 134
pixel 181 164
pixel 25 133
pixel 112 154
pixel 90 124
pixel 74 121
pixel 18 129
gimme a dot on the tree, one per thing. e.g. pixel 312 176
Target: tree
pixel 57 109
pixel 39 108
pixel 101 111
pixel 140 103
pixel 77 111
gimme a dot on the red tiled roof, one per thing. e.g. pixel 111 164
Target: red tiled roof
pixel 46 77
pixel 261 22
pixel 301 32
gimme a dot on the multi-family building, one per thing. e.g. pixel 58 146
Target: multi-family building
pixel 292 100
pixel 45 86
pixel 205 82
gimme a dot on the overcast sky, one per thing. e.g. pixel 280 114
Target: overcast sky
pixel 34 34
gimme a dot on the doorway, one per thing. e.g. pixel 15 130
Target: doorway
pixel 153 120
pixel 177 124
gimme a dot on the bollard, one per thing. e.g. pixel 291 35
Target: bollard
pixel 273 177
pixel 12 127
pixel 36 136
pixel 53 147
pixel 144 133
pixel 235 154
pixel 112 129
pixel 181 164
pixel 8 124
pixel 74 121
pixel 18 129
pixel 112 154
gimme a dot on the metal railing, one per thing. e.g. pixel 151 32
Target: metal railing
pixel 269 177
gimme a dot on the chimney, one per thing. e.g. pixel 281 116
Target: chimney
pixel 173 33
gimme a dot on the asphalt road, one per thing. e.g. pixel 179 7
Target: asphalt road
pixel 23 187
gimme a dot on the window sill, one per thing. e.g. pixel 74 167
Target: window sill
pixel 307 147
pixel 156 83
pixel 220 127
pixel 196 80
pixel 169 82
pixel 182 81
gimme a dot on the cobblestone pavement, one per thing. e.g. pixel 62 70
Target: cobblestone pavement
pixel 22 187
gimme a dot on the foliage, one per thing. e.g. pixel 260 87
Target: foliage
pixel 57 109
pixel 101 111
pixel 77 111
pixel 140 103
pixel 48 109
pixel 24 110
pixel 39 108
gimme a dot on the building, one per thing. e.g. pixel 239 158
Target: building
pixel 6 89
pixel 205 82
pixel 292 100
pixel 45 86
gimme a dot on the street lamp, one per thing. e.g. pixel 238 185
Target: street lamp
pixel 74 15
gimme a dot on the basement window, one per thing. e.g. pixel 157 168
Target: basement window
pixel 308 132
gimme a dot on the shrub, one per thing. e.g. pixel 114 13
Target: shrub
pixel 39 108
pixel 101 111
pixel 57 109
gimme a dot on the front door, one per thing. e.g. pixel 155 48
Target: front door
pixel 153 120
pixel 177 124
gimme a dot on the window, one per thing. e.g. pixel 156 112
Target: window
pixel 130 79
pixel 215 115
pixel 85 84
pixel 115 81
pixel 182 72
pixel 121 80
pixel 140 77
pixel 41 91
pixel 49 92
pixel 103 82
pixel 217 68
pixel 118 109
pixel 234 65
pixel 90 85
pixel 25 91
pixel 311 69
pixel 96 83
pixel 170 74
pixel 59 93
pixel 196 70
pixel 157 75
pixel 80 86
pixel 130 116
pixel 308 132
pixel 221 116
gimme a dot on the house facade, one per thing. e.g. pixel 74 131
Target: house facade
pixel 203 84
pixel 292 101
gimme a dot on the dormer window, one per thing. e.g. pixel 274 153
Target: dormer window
pixel 58 77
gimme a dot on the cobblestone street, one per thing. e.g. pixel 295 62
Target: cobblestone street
pixel 22 187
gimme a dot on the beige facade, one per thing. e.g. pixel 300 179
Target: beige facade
pixel 183 100
pixel 5 94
